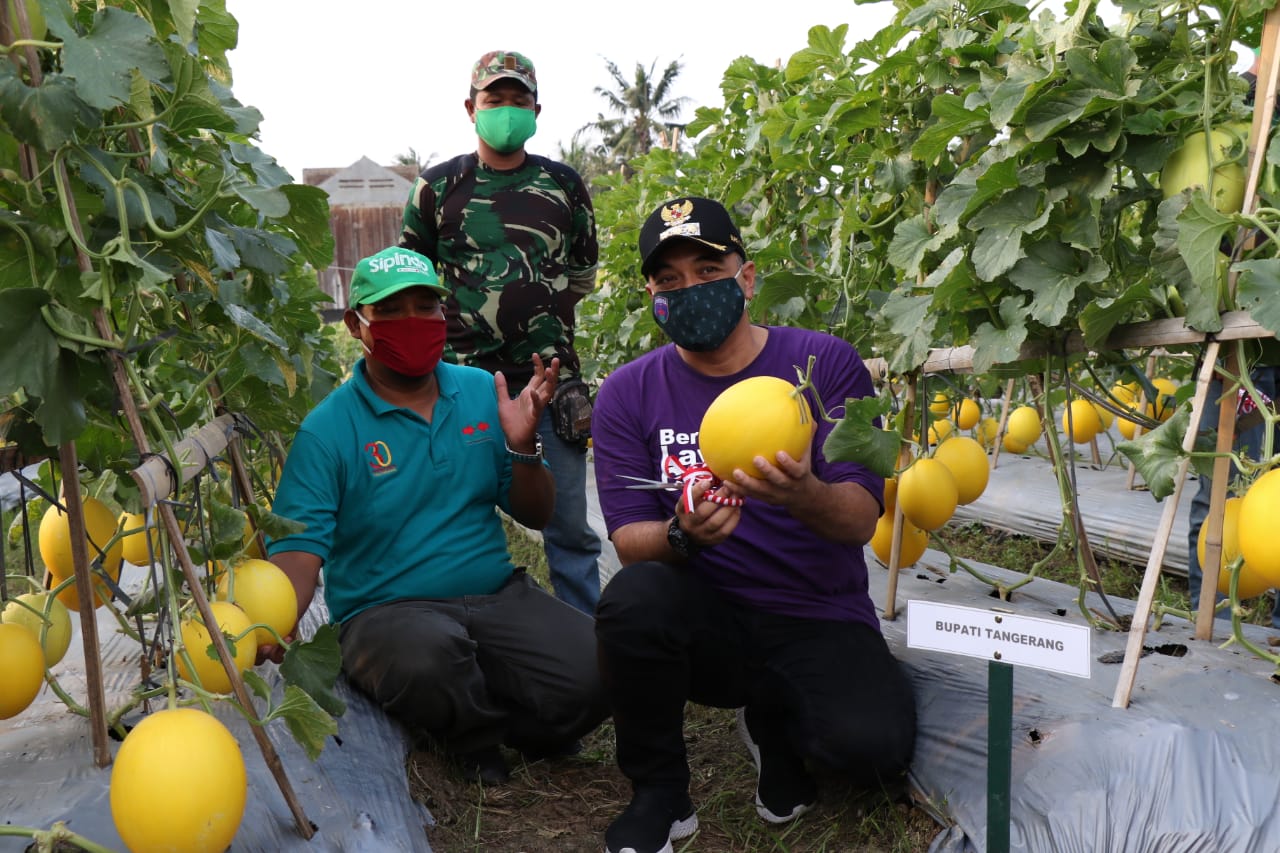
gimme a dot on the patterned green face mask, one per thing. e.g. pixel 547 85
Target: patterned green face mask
pixel 506 129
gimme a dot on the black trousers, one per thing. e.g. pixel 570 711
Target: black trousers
pixel 831 688
pixel 516 667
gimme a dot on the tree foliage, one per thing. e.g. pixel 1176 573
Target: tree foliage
pixel 639 110
pixel 971 174
pixel 133 191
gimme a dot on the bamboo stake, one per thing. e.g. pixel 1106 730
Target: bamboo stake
pixel 1146 594
pixel 1213 521
pixel 67 452
pixel 895 549
pixel 1148 334
pixel 1004 421
pixel 138 434
pixel 174 530
pixel 88 603
pixel 28 165
pixel 155 476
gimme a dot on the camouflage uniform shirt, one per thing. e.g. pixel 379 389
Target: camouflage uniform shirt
pixel 518 248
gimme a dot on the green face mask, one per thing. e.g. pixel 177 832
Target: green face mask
pixel 506 129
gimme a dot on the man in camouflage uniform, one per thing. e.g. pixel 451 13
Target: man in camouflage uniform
pixel 513 234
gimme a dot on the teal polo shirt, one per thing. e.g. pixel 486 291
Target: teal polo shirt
pixel 395 507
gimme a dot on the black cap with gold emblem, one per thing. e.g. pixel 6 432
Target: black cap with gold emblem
pixel 691 218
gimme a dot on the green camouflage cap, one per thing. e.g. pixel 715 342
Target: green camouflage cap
pixel 390 271
pixel 500 64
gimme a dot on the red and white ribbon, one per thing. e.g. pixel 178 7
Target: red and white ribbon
pixel 1245 404
pixel 690 474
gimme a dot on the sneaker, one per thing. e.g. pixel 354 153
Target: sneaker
pixel 655 818
pixel 784 788
pixel 485 766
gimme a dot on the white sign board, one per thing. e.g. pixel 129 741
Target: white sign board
pixel 990 634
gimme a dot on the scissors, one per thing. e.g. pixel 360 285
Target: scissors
pixel 642 483
pixel 688 477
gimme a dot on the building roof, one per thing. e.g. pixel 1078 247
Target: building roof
pixel 364 183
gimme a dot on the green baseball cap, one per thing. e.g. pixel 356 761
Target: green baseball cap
pixel 504 64
pixel 390 271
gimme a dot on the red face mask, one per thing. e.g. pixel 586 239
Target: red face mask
pixel 411 346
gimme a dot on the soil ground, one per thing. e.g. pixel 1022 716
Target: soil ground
pixel 566 805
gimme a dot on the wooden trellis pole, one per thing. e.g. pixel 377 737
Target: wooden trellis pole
pixel 1264 107
pixel 1150 578
pixel 1263 112
pixel 895 547
pixel 67 454
pixel 88 603
pixel 1004 422
pixel 205 444
pixel 1213 521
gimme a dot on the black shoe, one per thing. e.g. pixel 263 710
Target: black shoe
pixel 655 818
pixel 485 766
pixel 784 788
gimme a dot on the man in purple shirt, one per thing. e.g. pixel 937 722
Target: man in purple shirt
pixel 762 607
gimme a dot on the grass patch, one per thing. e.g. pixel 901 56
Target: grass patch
pixel 566 805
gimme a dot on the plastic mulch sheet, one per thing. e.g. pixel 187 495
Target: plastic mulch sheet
pixel 1190 765
pixel 356 793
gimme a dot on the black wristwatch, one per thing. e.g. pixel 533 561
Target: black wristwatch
pixel 534 458
pixel 682 543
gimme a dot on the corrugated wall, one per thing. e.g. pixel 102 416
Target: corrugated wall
pixel 357 232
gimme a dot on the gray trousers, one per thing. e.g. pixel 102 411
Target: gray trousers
pixel 516 667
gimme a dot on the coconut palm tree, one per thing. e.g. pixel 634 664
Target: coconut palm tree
pixel 413 158
pixel 641 108
pixel 588 155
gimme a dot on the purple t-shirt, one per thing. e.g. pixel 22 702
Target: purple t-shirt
pixel 653 407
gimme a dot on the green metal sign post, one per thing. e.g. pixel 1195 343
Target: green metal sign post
pixel 999 753
pixel 1005 640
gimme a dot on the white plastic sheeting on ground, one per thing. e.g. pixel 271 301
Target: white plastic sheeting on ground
pixel 356 793
pixel 1190 765
pixel 1022 497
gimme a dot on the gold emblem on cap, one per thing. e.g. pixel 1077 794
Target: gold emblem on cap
pixel 509 62
pixel 677 212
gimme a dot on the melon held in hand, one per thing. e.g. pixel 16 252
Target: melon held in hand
pixel 758 416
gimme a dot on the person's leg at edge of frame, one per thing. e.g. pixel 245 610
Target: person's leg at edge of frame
pixel 1199 508
pixel 571 545
pixel 650 617
pixel 1250 443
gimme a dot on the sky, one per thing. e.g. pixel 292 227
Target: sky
pixel 334 86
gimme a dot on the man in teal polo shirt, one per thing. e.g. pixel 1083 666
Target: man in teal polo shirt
pixel 396 475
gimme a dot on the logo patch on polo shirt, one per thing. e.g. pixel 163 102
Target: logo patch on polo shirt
pixel 477 430
pixel 379 455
